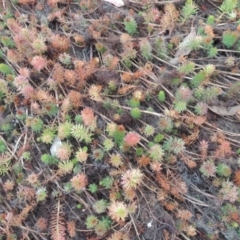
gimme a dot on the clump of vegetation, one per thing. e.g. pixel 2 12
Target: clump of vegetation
pixel 111 120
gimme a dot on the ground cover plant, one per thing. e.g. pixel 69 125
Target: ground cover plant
pixel 119 122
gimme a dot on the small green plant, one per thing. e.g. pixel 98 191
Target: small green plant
pixel 35 123
pixel 224 170
pixel 50 109
pixel 81 133
pixel 93 188
pixel 3 146
pixel 139 151
pixel 5 69
pixel 212 52
pixel 41 194
pixel 91 221
pixel 133 102
pixel 65 167
pixel 106 182
pixel 6 127
pixel 65 59
pixel 136 113
pixel 78 119
pixel 26 155
pixel 165 124
pixel 208 168
pixel 64 130
pixel 100 47
pixel 116 160
pixel 201 108
pixel 102 226
pixel 100 206
pixel 161 48
pixel 161 96
pixel 175 145
pixel 210 20
pixel 98 154
pixel 7 42
pixel 199 78
pixel 49 159
pixel 130 25
pixel 188 10
pixel 108 144
pixel 148 130
pixel 229 38
pixel 227 7
pixel 187 68
pixel 156 152
pixel 180 106
pixel 146 49
pixel 158 138
pixel 47 136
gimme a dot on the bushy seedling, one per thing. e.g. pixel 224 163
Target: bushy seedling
pixel 50 109
pixel 78 119
pixel 133 102
pixel 106 182
pixel 156 152
pixel 208 168
pixel 187 68
pixel 26 155
pixel 180 106
pixel 98 154
pixel 158 138
pixel 49 159
pixel 100 206
pixel 161 96
pixel 201 108
pixel 139 151
pixel 7 42
pixel 175 145
pixel 93 188
pixel 81 133
pixel 188 10
pixel 5 69
pixel 65 59
pixel 149 130
pixel 102 226
pixel 199 78
pixel 64 130
pixel 165 124
pixel 146 49
pixel 47 136
pixel 35 123
pixel 224 170
pixel 229 38
pixel 210 20
pixel 91 221
pixel 6 127
pixel 130 25
pixel 136 113
pixel 108 144
pixel 228 6
pixel 161 48
pixel 100 47
pixel 41 194
pixel 212 52
pixel 3 146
